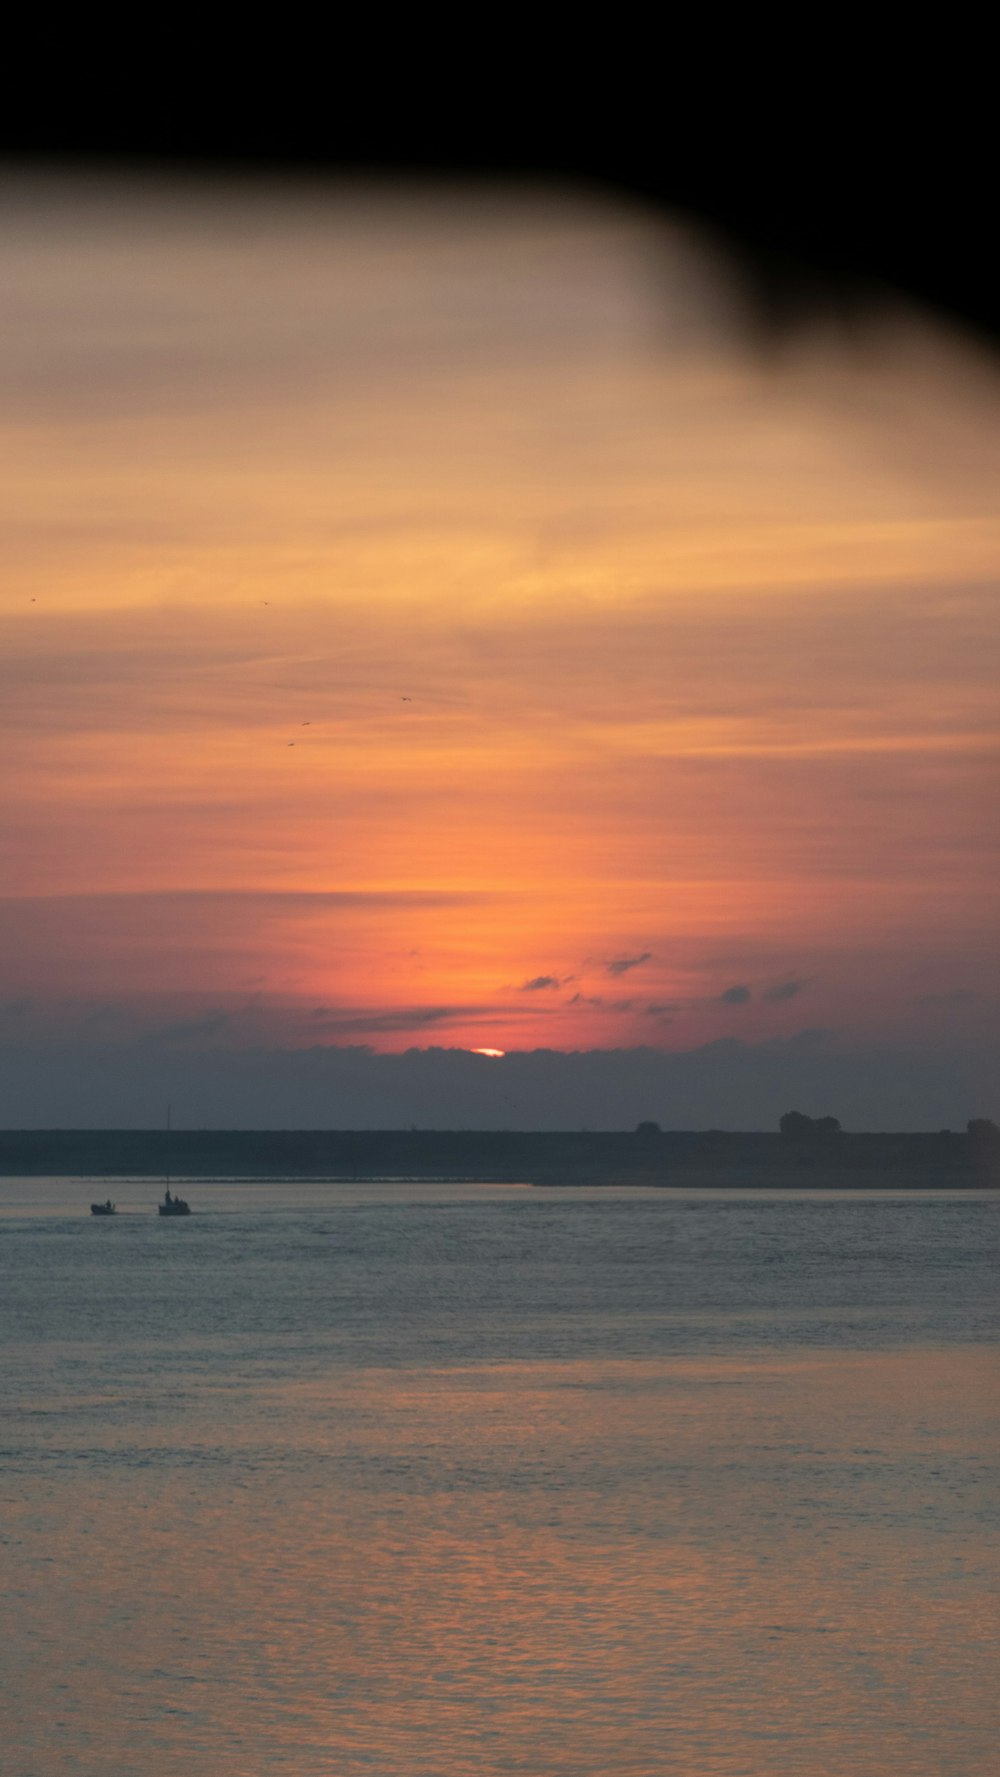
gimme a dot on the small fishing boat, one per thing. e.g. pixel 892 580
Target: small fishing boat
pixel 173 1206
pixel 104 1209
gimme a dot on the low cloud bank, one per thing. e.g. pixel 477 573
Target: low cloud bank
pixel 725 1084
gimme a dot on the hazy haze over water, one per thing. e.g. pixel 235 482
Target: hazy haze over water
pixel 442 1480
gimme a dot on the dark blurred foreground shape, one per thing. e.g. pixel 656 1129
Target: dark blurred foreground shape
pixel 832 171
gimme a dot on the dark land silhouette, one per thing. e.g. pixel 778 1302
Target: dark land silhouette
pixel 805 1151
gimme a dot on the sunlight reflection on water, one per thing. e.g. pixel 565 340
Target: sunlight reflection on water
pixel 303 1494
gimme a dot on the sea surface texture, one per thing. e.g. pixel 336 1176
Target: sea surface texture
pixel 445 1481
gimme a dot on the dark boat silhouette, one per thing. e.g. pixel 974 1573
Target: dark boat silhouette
pixel 104 1209
pixel 173 1206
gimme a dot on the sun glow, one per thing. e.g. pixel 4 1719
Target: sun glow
pixel 640 692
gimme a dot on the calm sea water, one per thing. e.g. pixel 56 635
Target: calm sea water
pixel 441 1481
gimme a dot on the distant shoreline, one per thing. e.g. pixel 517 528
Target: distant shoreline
pixel 873 1182
pixel 647 1156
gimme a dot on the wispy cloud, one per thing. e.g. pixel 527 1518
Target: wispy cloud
pixel 735 996
pixel 276 899
pixel 785 990
pixel 603 1005
pixel 352 1021
pixel 185 1030
pixel 621 964
pixel 102 1015
pixel 958 996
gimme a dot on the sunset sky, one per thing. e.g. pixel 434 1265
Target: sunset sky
pixel 436 621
